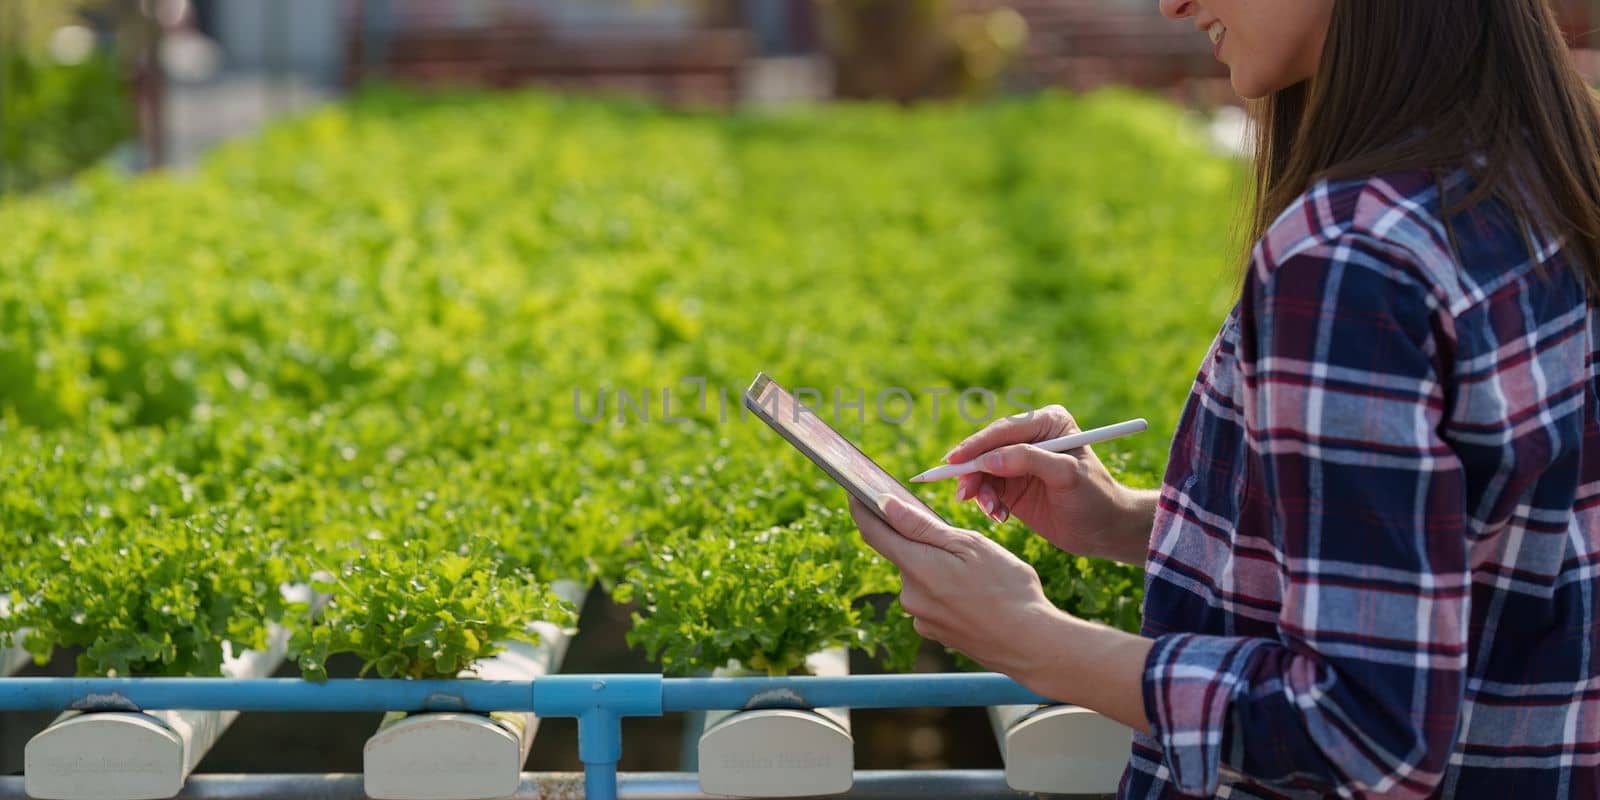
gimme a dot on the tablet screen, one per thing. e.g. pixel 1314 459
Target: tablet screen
pixel 843 462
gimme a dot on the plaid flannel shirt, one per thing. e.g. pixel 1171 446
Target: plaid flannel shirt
pixel 1372 567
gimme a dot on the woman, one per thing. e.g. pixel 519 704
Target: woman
pixel 1370 566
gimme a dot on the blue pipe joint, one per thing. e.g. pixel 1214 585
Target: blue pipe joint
pixel 599 702
pixel 577 695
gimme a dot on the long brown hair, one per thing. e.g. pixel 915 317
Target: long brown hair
pixel 1430 84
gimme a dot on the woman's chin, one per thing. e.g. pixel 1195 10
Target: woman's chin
pixel 1247 87
pixel 1254 85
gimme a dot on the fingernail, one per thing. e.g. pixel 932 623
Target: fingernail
pixel 949 453
pixel 986 504
pixel 1005 514
pixel 963 493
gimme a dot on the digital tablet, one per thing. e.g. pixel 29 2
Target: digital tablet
pixel 809 434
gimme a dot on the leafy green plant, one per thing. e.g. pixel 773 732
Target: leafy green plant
pixel 1090 588
pixel 411 611
pixel 764 600
pixel 160 603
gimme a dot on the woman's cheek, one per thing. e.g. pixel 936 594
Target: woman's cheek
pixel 1258 72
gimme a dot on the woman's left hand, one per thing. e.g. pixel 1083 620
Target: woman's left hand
pixel 962 589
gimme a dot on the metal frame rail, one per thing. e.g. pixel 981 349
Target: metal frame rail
pixel 969 784
pixel 597 702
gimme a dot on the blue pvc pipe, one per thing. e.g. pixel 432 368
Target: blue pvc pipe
pixel 600 748
pixel 262 694
pixel 851 691
pixel 624 695
pixel 599 783
pixel 554 696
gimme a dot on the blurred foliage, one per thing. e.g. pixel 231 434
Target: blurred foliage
pixel 58 118
pixel 63 105
pixel 918 49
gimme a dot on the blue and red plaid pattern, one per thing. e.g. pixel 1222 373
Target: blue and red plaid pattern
pixel 1372 567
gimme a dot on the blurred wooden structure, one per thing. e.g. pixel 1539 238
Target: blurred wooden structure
pixel 686 62
pixel 700 67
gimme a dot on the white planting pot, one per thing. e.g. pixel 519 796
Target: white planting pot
pixel 1060 749
pixel 464 756
pixel 139 755
pixel 14 657
pixel 780 752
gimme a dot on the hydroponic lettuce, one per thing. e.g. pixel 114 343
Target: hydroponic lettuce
pixel 412 611
pixel 161 600
pixel 385 343
pixel 765 599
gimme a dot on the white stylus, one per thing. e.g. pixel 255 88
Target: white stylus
pixel 1058 445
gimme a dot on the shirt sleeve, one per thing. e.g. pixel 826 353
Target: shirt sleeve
pixel 1361 689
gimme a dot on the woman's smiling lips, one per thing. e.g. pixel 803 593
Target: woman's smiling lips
pixel 1217 31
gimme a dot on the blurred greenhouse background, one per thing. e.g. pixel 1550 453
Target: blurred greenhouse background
pixel 154 82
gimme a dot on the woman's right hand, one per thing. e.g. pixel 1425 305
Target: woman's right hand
pixel 1068 498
